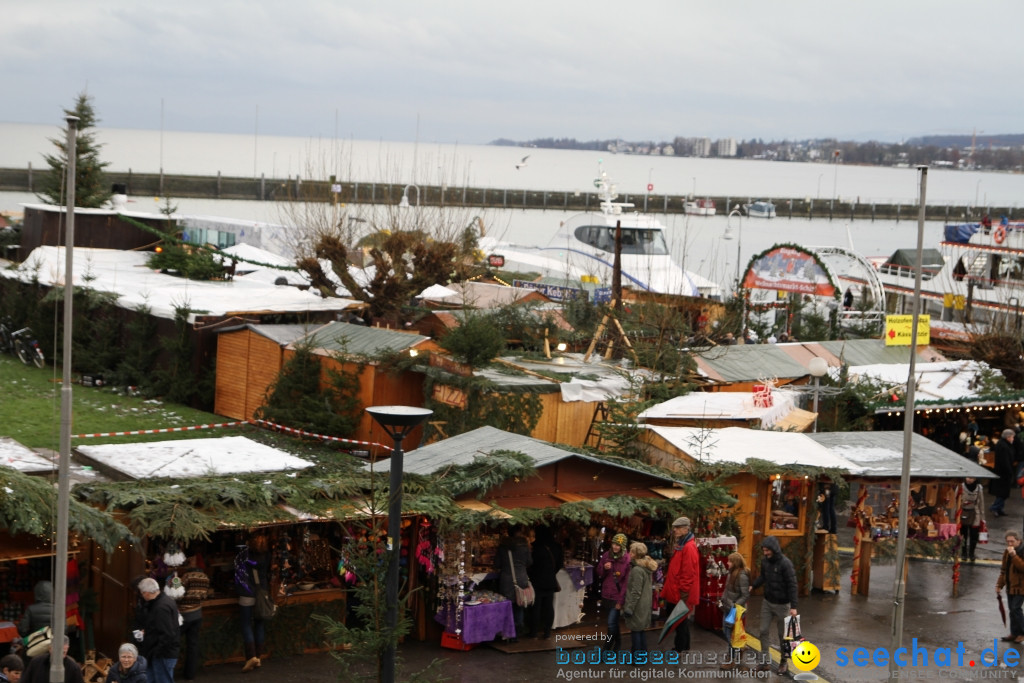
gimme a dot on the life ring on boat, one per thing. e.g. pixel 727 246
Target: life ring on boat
pixel 1000 234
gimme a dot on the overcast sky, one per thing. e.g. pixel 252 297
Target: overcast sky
pixel 479 70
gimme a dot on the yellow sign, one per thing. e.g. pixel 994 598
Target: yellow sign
pixel 954 301
pixel 898 329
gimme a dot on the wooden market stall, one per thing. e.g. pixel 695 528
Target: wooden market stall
pixel 936 473
pixel 211 499
pixel 540 478
pixel 27 546
pixel 250 358
pixel 776 477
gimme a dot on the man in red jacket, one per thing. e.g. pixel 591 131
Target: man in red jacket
pixel 682 581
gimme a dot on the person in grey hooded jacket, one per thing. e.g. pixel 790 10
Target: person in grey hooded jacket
pixel 40 613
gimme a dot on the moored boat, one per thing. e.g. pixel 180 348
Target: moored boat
pixel 760 209
pixel 700 207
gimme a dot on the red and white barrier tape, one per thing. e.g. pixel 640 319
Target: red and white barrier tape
pixel 166 430
pixel 324 437
pixel 261 423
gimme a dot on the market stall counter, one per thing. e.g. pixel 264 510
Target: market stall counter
pixel 479 619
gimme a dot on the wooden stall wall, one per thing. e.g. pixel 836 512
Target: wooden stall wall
pixel 378 388
pixel 247 364
pixel 563 422
pixel 110 577
pixel 570 480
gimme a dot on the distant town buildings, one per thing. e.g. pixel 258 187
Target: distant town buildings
pixel 1002 153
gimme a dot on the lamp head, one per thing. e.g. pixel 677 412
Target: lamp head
pixel 818 366
pixel 403 203
pixel 397 419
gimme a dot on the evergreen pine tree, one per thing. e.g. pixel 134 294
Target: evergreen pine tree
pixel 91 187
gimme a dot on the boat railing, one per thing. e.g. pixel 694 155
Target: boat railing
pixel 901 270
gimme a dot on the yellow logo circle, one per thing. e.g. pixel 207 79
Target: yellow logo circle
pixel 806 656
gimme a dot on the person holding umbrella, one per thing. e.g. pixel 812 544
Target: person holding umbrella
pixel 682 580
pixel 1011 575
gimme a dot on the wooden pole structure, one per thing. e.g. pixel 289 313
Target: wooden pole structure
pixel 960 551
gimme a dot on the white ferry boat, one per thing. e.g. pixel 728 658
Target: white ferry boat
pixel 583 250
pixel 975 276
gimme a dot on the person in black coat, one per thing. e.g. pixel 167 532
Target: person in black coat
pixel 159 638
pixel 130 666
pixel 514 559
pixel 1003 469
pixel 548 559
pixel 38 669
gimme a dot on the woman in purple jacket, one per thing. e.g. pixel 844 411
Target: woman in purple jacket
pixel 613 570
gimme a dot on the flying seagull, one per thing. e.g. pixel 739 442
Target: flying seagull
pixel 522 163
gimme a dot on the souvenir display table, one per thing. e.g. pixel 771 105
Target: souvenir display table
pixel 485 616
pixel 713 555
pixel 573 580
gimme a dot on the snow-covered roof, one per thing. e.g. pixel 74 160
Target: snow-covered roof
pixel 723 405
pixel 593 380
pixel 251 271
pixel 951 382
pixel 126 274
pixel 738 444
pixel 22 458
pixel 189 458
pixel 880 454
pixel 464 449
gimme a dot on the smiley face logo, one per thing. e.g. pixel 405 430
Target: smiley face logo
pixel 806 656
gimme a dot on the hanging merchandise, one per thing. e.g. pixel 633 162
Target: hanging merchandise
pixel 173 587
pixel 173 557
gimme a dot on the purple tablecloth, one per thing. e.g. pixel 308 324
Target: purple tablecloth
pixel 480 623
pixel 578 574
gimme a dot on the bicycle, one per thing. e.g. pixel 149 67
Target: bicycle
pixel 6 342
pixel 27 348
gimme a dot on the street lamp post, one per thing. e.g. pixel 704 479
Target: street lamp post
pixel 818 367
pixel 398 422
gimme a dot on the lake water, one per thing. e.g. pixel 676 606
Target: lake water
pixel 696 241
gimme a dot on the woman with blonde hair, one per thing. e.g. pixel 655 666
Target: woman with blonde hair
pixel 639 596
pixel 736 592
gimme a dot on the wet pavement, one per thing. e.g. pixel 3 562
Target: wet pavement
pixel 833 622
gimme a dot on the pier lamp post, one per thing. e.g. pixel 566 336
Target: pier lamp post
pixel 403 203
pixel 398 422
pixel 728 235
pixel 818 367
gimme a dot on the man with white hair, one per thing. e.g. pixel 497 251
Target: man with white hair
pixel 158 637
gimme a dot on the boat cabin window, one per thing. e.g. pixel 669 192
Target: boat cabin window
pixel 1009 267
pixel 636 241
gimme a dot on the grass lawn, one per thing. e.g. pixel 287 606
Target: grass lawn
pixel 30 411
